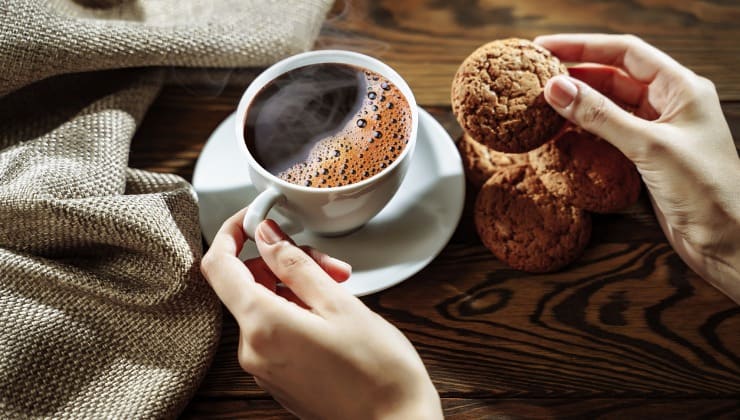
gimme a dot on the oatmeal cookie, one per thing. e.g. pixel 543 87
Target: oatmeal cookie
pixel 497 95
pixel 525 226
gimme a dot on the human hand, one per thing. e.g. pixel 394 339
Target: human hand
pixel 318 350
pixel 677 138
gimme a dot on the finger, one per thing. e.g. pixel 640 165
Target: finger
pixel 230 237
pixel 335 268
pixel 639 59
pixel 262 273
pixel 610 81
pixel 290 296
pixel 617 86
pixel 296 269
pixel 594 112
pixel 226 274
pixel 229 277
pixel 248 359
pixel 272 283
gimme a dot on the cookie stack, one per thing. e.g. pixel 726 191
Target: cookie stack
pixel 537 176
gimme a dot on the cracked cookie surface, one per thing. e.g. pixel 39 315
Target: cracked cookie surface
pixel 497 95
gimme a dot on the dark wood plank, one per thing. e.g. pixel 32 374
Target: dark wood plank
pixel 732 114
pixel 459 408
pixel 627 408
pixel 177 126
pixel 231 408
pixel 425 40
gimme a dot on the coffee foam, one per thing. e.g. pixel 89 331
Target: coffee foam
pixel 368 143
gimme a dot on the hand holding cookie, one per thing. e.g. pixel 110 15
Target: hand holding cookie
pixel 677 137
pixel 530 210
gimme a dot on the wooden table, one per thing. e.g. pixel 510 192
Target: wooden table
pixel 627 331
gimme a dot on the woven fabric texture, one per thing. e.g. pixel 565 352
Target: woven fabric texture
pixel 103 312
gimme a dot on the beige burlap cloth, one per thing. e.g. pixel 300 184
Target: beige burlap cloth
pixel 103 312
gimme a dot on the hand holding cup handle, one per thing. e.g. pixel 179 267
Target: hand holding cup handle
pixel 343 208
pixel 258 209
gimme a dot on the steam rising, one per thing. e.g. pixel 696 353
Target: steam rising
pixel 328 125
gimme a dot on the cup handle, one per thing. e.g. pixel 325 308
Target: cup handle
pixel 258 209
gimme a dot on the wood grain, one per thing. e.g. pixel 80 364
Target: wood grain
pixel 615 323
pixel 506 408
pixel 425 40
pixel 609 325
pixel 628 331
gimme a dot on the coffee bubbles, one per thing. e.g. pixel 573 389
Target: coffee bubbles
pixel 327 125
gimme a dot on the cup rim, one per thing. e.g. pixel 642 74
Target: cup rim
pixel 320 57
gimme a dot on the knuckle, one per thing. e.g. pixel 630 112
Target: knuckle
pixel 291 259
pixel 247 360
pixel 209 263
pixel 593 113
pixel 705 87
pixel 263 335
pixel 697 88
pixel 708 84
pixel 261 339
pixel 632 40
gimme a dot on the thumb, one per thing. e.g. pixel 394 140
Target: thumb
pixel 594 112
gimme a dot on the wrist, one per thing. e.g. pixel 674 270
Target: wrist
pixel 714 241
pixel 724 263
pixel 723 272
pixel 720 257
pixel 422 404
pixel 427 409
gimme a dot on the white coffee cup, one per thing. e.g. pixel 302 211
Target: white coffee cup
pixel 325 211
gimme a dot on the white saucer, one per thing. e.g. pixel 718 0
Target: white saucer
pixel 396 244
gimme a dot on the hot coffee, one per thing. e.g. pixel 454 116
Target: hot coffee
pixel 327 125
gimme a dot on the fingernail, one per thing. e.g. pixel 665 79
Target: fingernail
pixel 269 232
pixel 562 92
